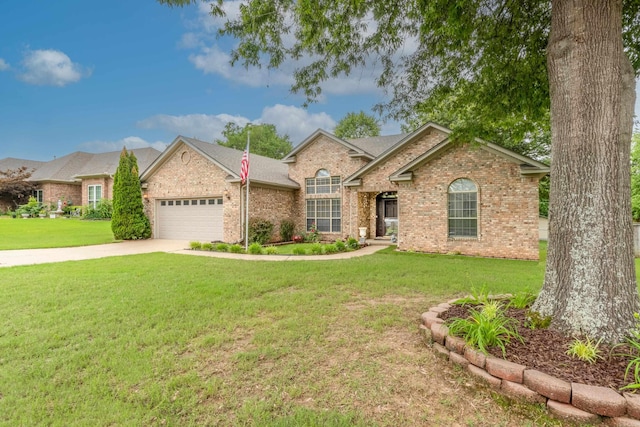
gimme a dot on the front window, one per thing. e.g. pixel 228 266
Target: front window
pixel 325 213
pixel 323 183
pixel 95 194
pixel 38 194
pixel 463 208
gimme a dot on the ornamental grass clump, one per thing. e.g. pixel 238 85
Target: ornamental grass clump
pixel 633 343
pixel 486 328
pixel 236 249
pixel 195 245
pixel 222 247
pixel 207 246
pixel 585 350
pixel 255 249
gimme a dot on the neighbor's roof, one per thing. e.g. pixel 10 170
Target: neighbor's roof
pixel 79 164
pixel 262 169
pixel 107 163
pixel 13 163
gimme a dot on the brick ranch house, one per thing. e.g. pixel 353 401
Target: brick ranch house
pixel 78 178
pixel 432 194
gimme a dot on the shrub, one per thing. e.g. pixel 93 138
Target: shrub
pixel 316 249
pixel 103 210
pixel 340 245
pixel 128 221
pixel 260 230
pixel 207 246
pixel 236 249
pixel 31 208
pixel 482 332
pixel 298 238
pixel 330 249
pixel 286 230
pixel 255 249
pixel 352 243
pixel 522 300
pixel 222 247
pixel 298 250
pixel 312 236
pixel 271 250
pixel 195 245
pixel 634 358
pixel 536 321
pixel 585 350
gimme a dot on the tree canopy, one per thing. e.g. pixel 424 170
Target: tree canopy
pixel 14 184
pixel 265 139
pixel 357 125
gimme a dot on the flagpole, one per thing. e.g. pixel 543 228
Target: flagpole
pixel 246 208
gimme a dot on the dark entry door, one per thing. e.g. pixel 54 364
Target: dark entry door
pixel 387 213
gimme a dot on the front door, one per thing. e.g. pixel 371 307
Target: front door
pixel 387 214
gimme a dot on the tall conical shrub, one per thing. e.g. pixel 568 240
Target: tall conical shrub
pixel 128 221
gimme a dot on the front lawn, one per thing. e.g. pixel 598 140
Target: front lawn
pixel 183 340
pixel 33 233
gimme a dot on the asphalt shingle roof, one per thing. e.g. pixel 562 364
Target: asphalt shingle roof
pixel 263 169
pixel 377 145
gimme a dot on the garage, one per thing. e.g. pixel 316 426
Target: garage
pixel 198 219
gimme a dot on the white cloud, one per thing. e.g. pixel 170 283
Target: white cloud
pixel 296 122
pixel 209 57
pixel 130 142
pixel 3 65
pixel 52 68
pixel 204 127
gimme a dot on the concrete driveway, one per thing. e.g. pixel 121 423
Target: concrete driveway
pixel 132 247
pixel 128 247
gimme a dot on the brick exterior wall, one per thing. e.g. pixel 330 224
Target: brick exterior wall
pixel 52 192
pixel 105 182
pixel 190 175
pixel 271 204
pixel 507 206
pixel 199 177
pixel 324 153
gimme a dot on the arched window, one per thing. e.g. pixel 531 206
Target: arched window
pixel 463 208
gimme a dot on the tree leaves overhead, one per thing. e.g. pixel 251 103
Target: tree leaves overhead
pixel 265 139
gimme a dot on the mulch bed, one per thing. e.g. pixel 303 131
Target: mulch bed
pixel 546 350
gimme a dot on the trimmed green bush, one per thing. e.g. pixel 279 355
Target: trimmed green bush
pixel 260 230
pixel 352 243
pixel 340 245
pixel 195 245
pixel 222 247
pixel 316 249
pixel 236 249
pixel 330 249
pixel 271 250
pixel 255 249
pixel 299 250
pixel 207 246
pixel 286 230
pixel 103 210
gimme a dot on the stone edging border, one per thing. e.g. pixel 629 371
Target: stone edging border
pixel 576 402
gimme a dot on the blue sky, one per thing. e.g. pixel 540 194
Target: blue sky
pixel 94 76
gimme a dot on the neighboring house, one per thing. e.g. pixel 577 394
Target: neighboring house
pixel 430 193
pixel 78 178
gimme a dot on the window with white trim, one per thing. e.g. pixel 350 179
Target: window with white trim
pixel 463 208
pixel 39 195
pixel 323 183
pixel 95 194
pixel 326 214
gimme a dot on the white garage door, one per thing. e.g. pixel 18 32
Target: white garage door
pixel 190 219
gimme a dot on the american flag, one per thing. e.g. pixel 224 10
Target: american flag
pixel 244 165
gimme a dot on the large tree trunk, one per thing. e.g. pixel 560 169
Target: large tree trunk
pixel 590 284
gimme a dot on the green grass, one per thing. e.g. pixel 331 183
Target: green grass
pixel 186 340
pixel 35 233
